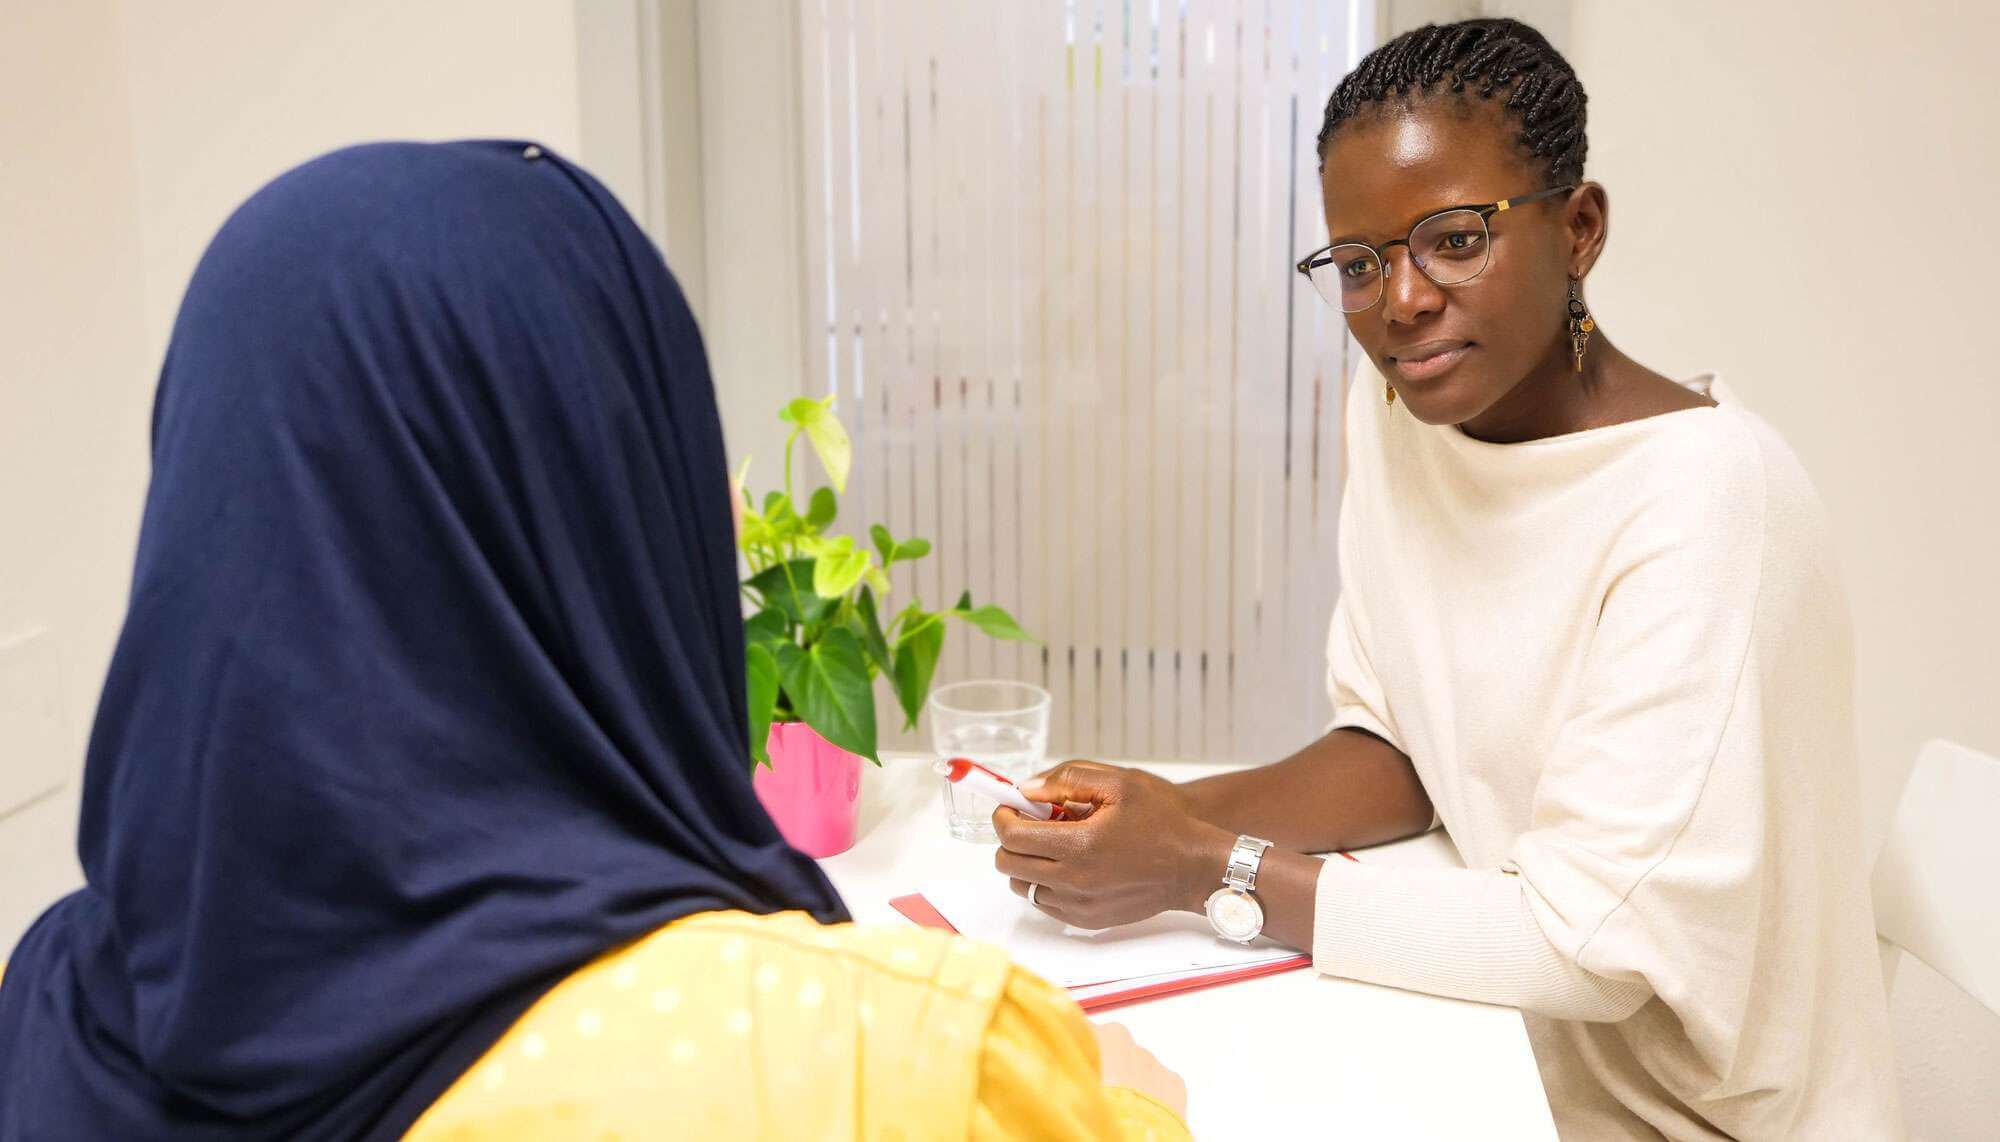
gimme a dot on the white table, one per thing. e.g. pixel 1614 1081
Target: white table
pixel 1287 1056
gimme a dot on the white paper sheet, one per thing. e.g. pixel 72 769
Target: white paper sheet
pixel 1173 942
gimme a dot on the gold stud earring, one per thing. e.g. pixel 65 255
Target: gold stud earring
pixel 1388 393
pixel 1581 325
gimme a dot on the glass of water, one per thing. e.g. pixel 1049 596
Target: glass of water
pixel 1003 726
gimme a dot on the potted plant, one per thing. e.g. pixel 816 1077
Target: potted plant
pixel 816 639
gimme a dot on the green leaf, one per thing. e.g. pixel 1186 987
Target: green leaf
pixel 828 687
pixel 765 627
pixel 995 622
pixel 782 522
pixel 829 439
pixel 836 453
pixel 874 578
pixel 836 572
pixel 964 604
pixel 908 618
pixel 822 509
pixel 916 664
pixel 893 551
pixel 803 410
pixel 756 531
pixel 872 642
pixel 803 606
pixel 762 667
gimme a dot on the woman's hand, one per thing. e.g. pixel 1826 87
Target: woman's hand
pixel 1140 852
pixel 1127 1064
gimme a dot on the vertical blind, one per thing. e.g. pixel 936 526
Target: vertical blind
pixel 1048 249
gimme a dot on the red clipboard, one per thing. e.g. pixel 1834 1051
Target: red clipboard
pixel 921 912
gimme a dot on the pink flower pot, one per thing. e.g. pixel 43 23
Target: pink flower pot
pixel 812 789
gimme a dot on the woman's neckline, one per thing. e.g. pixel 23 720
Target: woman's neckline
pixel 1702 383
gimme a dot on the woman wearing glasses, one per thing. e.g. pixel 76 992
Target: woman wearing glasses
pixel 1588 622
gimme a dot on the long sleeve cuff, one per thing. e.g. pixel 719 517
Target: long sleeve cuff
pixel 1463 933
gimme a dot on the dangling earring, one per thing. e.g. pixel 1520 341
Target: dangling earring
pixel 1388 393
pixel 1581 324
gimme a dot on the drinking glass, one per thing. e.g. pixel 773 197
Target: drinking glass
pixel 1003 726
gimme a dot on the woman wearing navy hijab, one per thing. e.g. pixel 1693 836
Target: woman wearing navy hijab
pixel 427 719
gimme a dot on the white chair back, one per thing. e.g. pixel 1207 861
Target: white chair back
pixel 1937 883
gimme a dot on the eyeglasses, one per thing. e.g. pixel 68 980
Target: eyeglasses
pixel 1450 247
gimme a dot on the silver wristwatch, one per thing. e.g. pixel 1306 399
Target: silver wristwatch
pixel 1232 910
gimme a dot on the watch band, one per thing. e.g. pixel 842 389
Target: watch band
pixel 1246 859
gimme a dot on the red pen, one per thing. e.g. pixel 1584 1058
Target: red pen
pixel 969 774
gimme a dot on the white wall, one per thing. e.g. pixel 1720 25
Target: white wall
pixel 228 93
pixel 1550 17
pixel 1798 199
pixel 74 395
pixel 752 310
pixel 128 132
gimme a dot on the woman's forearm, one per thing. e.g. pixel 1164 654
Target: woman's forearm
pixel 1464 933
pixel 1286 885
pixel 1346 790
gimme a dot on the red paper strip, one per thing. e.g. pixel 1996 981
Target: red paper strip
pixel 1193 983
pixel 920 912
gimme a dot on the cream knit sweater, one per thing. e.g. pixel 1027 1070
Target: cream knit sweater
pixel 1620 662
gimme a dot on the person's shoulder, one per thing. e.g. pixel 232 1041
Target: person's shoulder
pixel 1750 457
pixel 1721 452
pixel 1728 479
pixel 886 953
pixel 1696 466
pixel 1730 449
pixel 1786 481
pixel 1800 587
pixel 1795 519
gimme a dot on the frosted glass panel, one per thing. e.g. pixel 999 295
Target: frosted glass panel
pixel 1049 253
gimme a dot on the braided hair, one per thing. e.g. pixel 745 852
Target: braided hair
pixel 1489 57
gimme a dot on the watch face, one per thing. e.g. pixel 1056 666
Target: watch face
pixel 1235 914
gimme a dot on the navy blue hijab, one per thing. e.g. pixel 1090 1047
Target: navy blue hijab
pixel 430 689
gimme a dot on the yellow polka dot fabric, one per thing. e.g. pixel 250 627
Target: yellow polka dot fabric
pixel 733 1026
